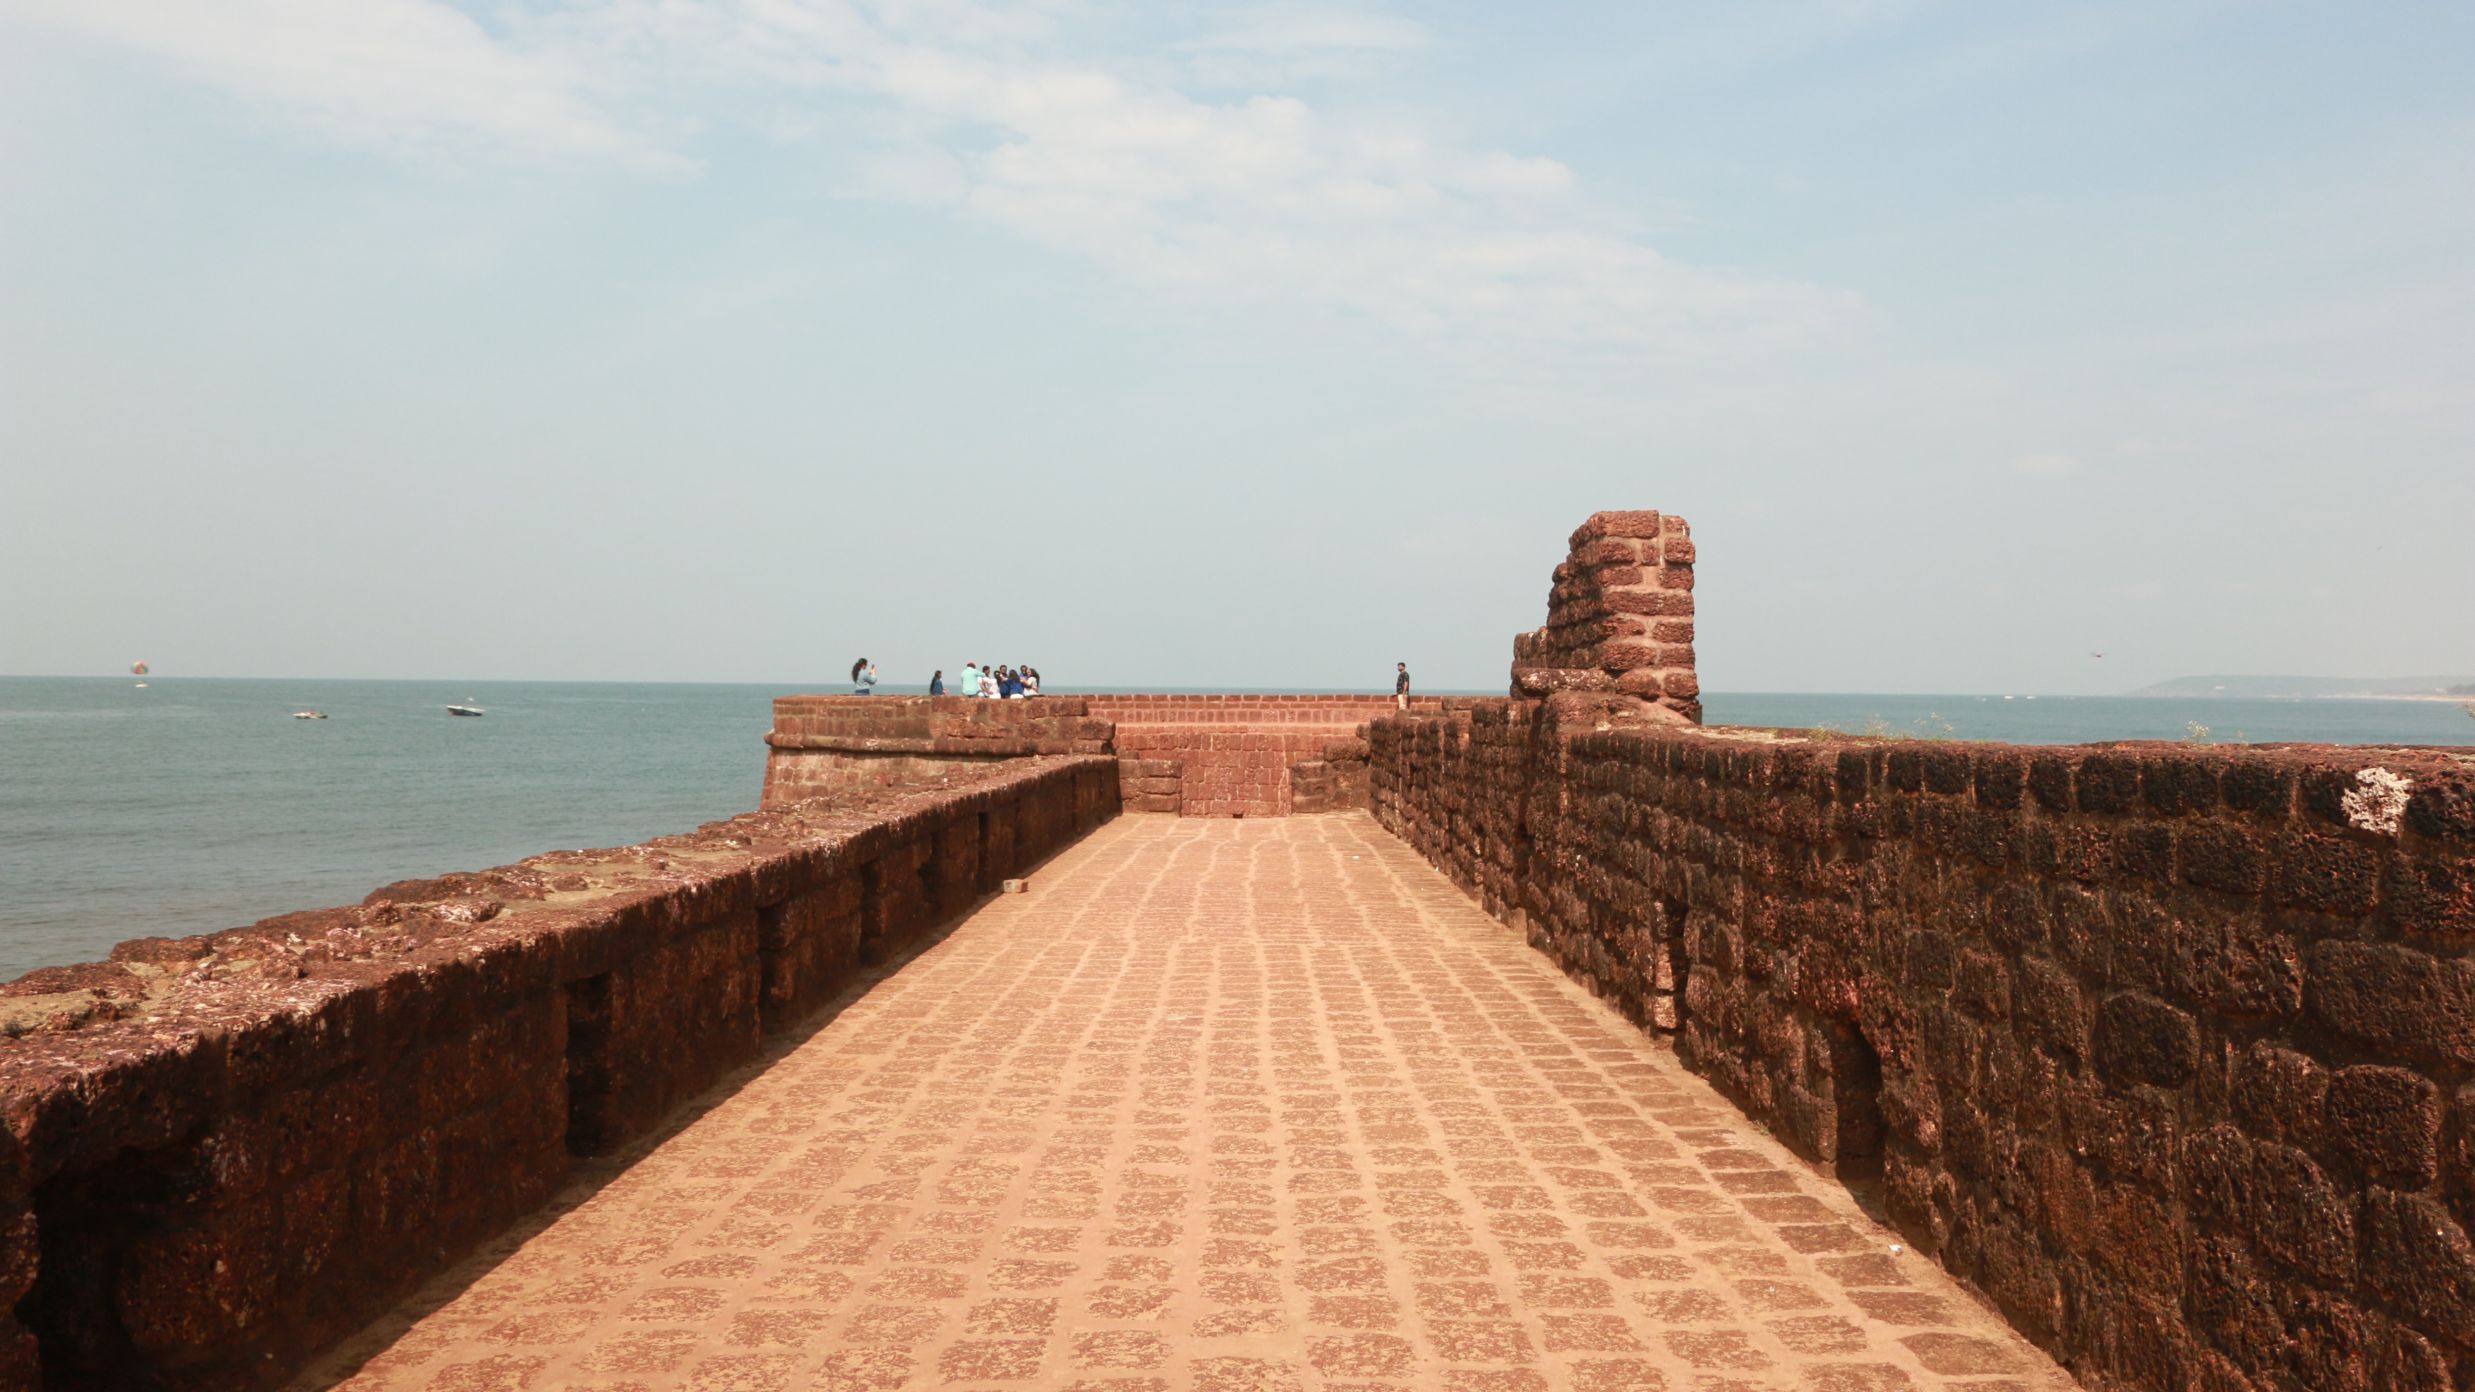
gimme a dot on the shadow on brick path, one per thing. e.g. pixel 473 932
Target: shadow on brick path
pixel 1218 1106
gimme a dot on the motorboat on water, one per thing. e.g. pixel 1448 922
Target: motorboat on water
pixel 464 710
pixel 309 715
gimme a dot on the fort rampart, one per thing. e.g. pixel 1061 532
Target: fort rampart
pixel 1195 755
pixel 2168 1050
pixel 222 1153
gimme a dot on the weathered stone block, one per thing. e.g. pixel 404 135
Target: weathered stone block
pixel 2384 1124
pixel 2430 900
pixel 2326 874
pixel 2416 1006
pixel 2279 1094
pixel 1642 525
pixel 2226 858
pixel 2417 1255
pixel 2140 1039
pixel 2443 808
pixel 2107 783
pixel 2275 1196
pixel 2048 1012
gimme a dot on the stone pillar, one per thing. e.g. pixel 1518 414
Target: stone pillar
pixel 1620 618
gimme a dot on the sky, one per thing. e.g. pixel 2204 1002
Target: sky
pixel 1232 344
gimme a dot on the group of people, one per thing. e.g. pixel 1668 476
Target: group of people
pixel 979 679
pixel 990 681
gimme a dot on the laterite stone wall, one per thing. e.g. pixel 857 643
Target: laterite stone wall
pixel 222 1153
pixel 2168 1050
pixel 1243 756
pixel 825 744
pixel 1619 618
pixel 1194 755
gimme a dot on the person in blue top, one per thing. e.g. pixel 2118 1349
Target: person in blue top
pixel 970 685
pixel 936 683
pixel 863 676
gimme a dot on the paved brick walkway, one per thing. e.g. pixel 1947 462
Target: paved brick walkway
pixel 1219 1106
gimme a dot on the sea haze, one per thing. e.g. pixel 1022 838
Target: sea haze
pixel 194 805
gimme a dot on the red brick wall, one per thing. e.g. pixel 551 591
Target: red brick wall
pixel 222 1153
pixel 2168 1050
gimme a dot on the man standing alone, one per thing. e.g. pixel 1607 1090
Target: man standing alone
pixel 1400 686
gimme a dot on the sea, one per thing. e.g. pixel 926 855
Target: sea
pixel 191 805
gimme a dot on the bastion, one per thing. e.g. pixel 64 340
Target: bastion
pixel 2167 1052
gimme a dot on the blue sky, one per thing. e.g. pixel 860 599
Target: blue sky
pixel 1232 344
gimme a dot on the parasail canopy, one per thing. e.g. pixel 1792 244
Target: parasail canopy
pixel 138 668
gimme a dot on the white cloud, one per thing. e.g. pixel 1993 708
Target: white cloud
pixel 1001 114
pixel 401 73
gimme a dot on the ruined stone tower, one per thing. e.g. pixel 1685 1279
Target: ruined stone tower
pixel 1620 618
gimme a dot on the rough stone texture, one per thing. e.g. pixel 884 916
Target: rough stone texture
pixel 1619 619
pixel 1222 1107
pixel 220 1153
pixel 2168 1051
pixel 1195 755
pixel 822 744
pixel 1241 756
pixel 1339 779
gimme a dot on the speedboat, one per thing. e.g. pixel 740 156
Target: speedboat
pixel 464 710
pixel 309 715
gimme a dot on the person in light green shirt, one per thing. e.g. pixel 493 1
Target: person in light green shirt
pixel 970 683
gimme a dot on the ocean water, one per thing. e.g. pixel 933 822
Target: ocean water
pixel 195 805
pixel 2088 719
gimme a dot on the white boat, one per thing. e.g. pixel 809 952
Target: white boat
pixel 309 715
pixel 464 710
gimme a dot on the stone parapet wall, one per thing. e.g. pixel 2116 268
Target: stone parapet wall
pixel 822 744
pixel 1242 755
pixel 1194 755
pixel 1337 779
pixel 2168 1050
pixel 1223 772
pixel 222 1153
pixel 1252 711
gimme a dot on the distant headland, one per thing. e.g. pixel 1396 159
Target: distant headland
pixel 2316 688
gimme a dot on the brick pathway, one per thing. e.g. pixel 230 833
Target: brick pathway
pixel 1218 1106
